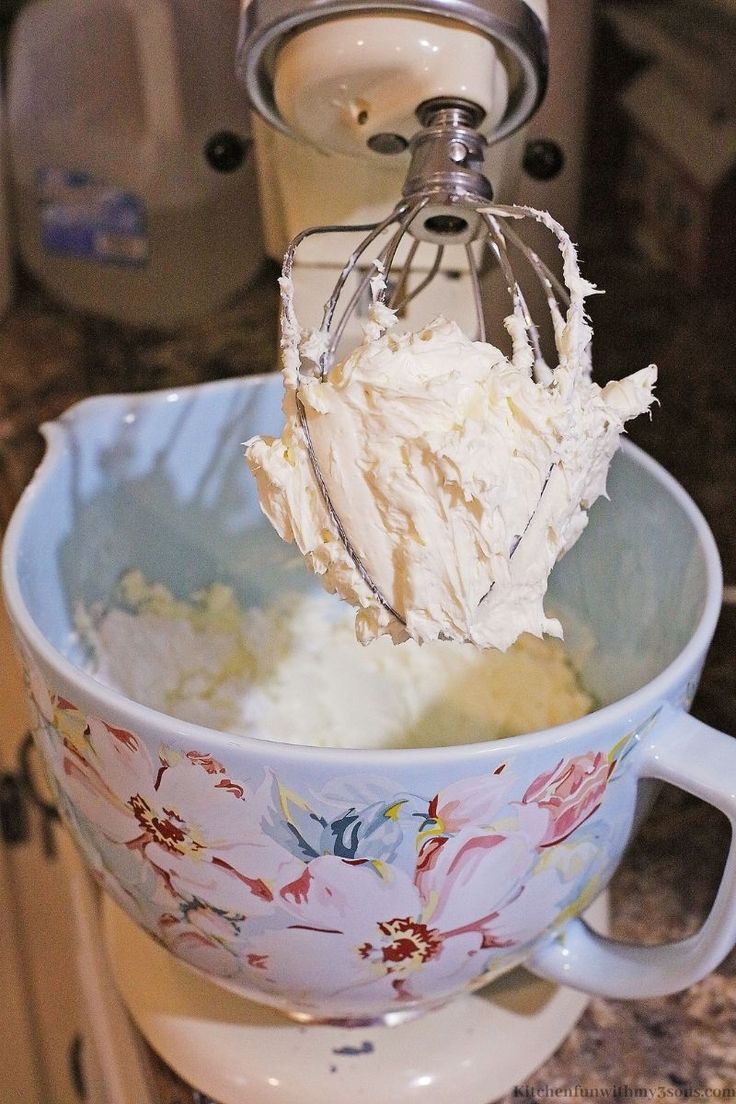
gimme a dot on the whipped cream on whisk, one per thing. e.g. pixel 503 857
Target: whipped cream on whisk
pixel 459 475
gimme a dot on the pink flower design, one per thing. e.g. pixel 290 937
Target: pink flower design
pixel 389 937
pixel 258 883
pixel 470 801
pixel 570 793
pixel 197 828
pixel 200 950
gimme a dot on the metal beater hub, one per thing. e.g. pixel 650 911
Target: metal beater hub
pixel 447 169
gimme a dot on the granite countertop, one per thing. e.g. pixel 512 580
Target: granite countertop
pixel 678 1045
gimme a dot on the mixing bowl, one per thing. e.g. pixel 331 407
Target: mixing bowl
pixel 355 885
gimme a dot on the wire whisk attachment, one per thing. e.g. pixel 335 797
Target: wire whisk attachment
pixel 395 287
pixel 447 203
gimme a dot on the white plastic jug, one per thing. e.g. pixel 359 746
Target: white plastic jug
pixel 132 169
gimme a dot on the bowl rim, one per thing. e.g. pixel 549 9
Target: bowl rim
pixel 151 723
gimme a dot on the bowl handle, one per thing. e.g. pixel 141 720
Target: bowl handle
pixel 702 761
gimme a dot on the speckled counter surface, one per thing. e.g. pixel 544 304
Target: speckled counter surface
pixel 680 1045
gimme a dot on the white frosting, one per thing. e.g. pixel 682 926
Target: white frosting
pixel 294 672
pixel 460 476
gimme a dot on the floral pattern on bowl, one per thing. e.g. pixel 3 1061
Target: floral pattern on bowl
pixel 409 896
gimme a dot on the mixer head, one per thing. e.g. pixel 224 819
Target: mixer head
pixel 351 76
pixel 439 79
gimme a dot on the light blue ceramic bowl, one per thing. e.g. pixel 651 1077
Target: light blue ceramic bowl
pixel 338 884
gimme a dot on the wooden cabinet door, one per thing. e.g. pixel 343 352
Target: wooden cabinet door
pixel 42 1009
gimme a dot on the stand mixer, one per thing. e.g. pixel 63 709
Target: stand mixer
pixel 357 100
pixel 361 102
pixel 365 103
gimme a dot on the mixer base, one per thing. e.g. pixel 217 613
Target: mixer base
pixel 473 1050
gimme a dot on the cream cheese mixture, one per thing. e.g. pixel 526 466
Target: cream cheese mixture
pixel 459 475
pixel 294 672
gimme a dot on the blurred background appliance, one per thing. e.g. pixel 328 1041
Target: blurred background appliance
pixel 131 161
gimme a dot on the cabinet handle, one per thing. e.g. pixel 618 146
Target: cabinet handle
pixel 76 1066
pixel 14 826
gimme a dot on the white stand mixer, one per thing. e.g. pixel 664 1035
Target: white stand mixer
pixel 342 81
pixel 353 78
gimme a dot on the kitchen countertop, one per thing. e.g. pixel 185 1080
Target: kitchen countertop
pixel 675 1046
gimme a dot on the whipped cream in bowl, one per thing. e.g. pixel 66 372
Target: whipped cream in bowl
pixel 292 671
pixel 454 476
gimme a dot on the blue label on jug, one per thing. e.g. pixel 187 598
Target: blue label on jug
pixel 89 220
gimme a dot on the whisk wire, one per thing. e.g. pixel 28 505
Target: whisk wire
pixel 356 297
pixel 412 295
pixel 315 231
pixel 380 265
pixel 477 295
pixel 404 226
pixel 398 291
pixel 374 231
pixel 542 373
pixel 544 273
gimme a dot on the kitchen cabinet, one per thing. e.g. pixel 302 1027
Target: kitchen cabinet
pixel 42 1012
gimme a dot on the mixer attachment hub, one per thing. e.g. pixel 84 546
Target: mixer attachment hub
pixel 447 225
pixel 453 112
pixel 447 169
pixel 447 222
